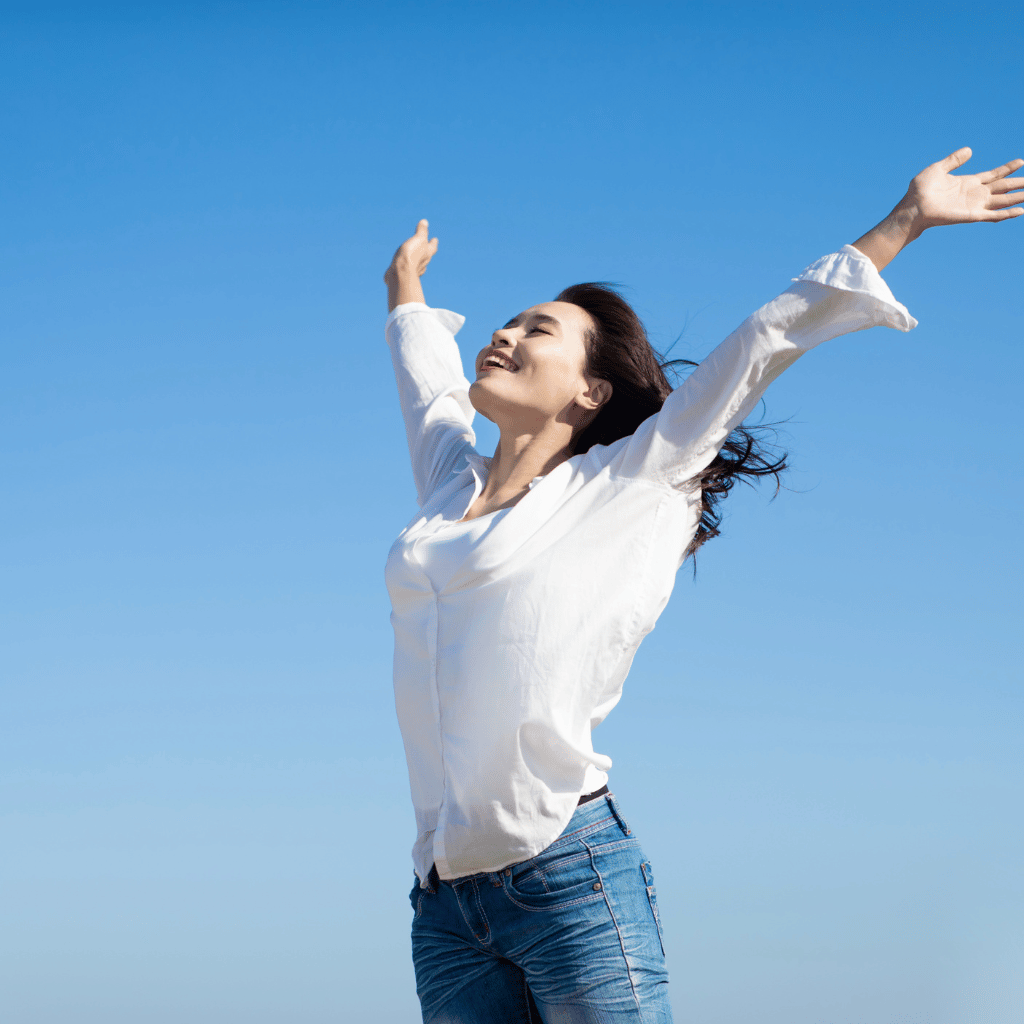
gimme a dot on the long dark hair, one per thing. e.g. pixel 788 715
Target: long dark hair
pixel 619 352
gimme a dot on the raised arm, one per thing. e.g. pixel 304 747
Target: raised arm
pixel 938 197
pixel 838 294
pixel 432 387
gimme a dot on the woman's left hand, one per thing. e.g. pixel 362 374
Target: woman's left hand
pixel 937 196
pixel 941 197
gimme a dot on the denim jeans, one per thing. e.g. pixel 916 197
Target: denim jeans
pixel 571 936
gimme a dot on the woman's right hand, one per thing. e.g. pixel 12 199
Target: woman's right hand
pixel 407 266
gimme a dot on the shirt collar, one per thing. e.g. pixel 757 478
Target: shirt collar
pixel 480 465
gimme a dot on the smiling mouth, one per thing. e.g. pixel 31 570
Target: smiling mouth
pixel 495 362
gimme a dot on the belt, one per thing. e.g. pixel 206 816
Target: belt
pixel 587 797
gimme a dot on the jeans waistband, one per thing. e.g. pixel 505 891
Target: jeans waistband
pixel 588 813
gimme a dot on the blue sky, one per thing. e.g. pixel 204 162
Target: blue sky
pixel 203 796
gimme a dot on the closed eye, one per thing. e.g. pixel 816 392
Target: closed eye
pixel 532 330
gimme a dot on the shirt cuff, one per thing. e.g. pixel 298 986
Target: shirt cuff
pixel 850 270
pixel 451 322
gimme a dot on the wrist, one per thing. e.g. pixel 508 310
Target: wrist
pixel 403 288
pixel 885 240
pixel 907 218
pixel 402 267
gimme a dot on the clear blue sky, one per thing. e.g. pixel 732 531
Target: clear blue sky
pixel 203 795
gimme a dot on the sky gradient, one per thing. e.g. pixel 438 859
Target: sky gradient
pixel 203 797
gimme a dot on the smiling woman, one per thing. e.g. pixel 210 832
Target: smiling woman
pixel 535 373
pixel 524 585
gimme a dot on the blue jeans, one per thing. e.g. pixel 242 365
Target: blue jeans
pixel 571 936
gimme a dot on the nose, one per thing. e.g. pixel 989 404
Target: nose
pixel 500 337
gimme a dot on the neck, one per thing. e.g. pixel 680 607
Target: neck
pixel 520 457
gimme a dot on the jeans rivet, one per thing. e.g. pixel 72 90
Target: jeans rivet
pixel 597 885
pixel 508 872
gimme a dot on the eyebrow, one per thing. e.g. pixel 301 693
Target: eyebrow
pixel 537 317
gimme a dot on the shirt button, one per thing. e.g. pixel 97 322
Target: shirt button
pixel 597 885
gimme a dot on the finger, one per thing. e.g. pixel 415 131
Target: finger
pixel 957 159
pixel 422 228
pixel 998 215
pixel 1000 172
pixel 1002 202
pixel 1006 185
pixel 433 245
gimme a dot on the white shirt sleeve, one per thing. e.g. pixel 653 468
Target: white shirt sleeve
pixel 838 294
pixel 433 391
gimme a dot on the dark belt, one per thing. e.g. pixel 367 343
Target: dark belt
pixel 587 797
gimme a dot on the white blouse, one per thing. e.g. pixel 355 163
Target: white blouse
pixel 514 631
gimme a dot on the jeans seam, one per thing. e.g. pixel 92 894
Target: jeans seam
pixel 618 933
pixel 554 907
pixel 458 903
pixel 586 830
pixel 652 899
pixel 625 843
pixel 566 858
pixel 483 916
pixel 623 824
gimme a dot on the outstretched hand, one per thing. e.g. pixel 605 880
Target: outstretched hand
pixel 942 197
pixel 937 196
pixel 407 266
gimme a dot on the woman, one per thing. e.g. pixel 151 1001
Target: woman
pixel 524 585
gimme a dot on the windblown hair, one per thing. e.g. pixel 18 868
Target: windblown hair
pixel 619 352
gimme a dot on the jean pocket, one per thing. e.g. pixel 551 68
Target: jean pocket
pixel 652 898
pixel 558 879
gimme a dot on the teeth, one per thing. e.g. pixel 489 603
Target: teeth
pixel 503 364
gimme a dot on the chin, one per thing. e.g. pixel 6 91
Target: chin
pixel 478 399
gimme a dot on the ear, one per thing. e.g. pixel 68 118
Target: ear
pixel 598 392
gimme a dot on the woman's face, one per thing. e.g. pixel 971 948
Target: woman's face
pixel 533 371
